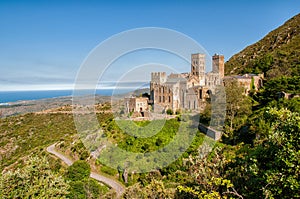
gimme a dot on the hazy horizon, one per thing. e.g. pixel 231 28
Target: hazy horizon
pixel 44 43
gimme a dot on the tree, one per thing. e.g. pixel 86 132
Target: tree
pixel 208 177
pixel 82 186
pixel 273 87
pixel 205 115
pixel 238 107
pixel 264 64
pixel 155 189
pixel 79 170
pixel 271 169
pixel 34 180
pixel 86 188
pixel 281 177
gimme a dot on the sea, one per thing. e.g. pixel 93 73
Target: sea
pixel 14 96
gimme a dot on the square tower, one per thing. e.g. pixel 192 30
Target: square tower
pixel 218 64
pixel 158 77
pixel 198 67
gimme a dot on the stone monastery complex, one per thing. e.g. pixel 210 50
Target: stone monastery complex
pixel 188 91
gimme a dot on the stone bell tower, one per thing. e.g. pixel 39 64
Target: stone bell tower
pixel 198 67
pixel 218 65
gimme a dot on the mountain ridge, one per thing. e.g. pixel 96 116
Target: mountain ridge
pixel 276 54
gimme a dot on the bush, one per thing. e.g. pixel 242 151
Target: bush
pixel 108 170
pixel 34 180
pixel 78 171
pixel 89 188
pixel 169 112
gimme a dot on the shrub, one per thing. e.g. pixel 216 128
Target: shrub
pixel 78 171
pixel 34 180
pixel 88 188
pixel 109 171
pixel 169 112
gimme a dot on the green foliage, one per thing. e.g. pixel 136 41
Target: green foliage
pixel 80 149
pixel 271 169
pixel 257 125
pixel 86 188
pixel 156 189
pixel 81 185
pixel 272 88
pixel 292 104
pixel 161 138
pixel 26 134
pixel 205 116
pixel 169 112
pixel 108 170
pixel 263 64
pixel 188 192
pixel 207 177
pixel 34 180
pixel 139 144
pixel 238 108
pixel 276 55
pixel 79 170
pixel 77 190
pixel 282 173
pixel 268 168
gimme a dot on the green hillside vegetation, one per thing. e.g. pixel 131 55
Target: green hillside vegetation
pixel 257 157
pixel 34 180
pixel 276 55
pixel 23 142
pixel 31 133
pixel 81 186
pixel 266 167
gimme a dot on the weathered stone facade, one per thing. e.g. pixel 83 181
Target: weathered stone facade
pixel 186 90
pixel 136 104
pixel 248 81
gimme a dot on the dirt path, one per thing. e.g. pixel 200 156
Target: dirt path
pixel 119 188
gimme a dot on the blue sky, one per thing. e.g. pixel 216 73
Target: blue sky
pixel 43 43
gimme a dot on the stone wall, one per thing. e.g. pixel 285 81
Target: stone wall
pixel 214 134
pixel 247 81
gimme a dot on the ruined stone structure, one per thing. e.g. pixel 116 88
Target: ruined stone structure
pixel 186 90
pixel 136 104
pixel 248 81
pixel 284 95
pixel 137 107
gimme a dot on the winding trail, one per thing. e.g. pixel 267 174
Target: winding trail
pixel 119 188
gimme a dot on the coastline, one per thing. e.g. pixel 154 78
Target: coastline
pixel 22 106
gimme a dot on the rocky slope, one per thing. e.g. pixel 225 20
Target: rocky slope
pixel 277 54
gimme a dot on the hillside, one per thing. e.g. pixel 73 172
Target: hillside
pixel 277 54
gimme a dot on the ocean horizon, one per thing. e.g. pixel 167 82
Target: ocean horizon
pixel 15 96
